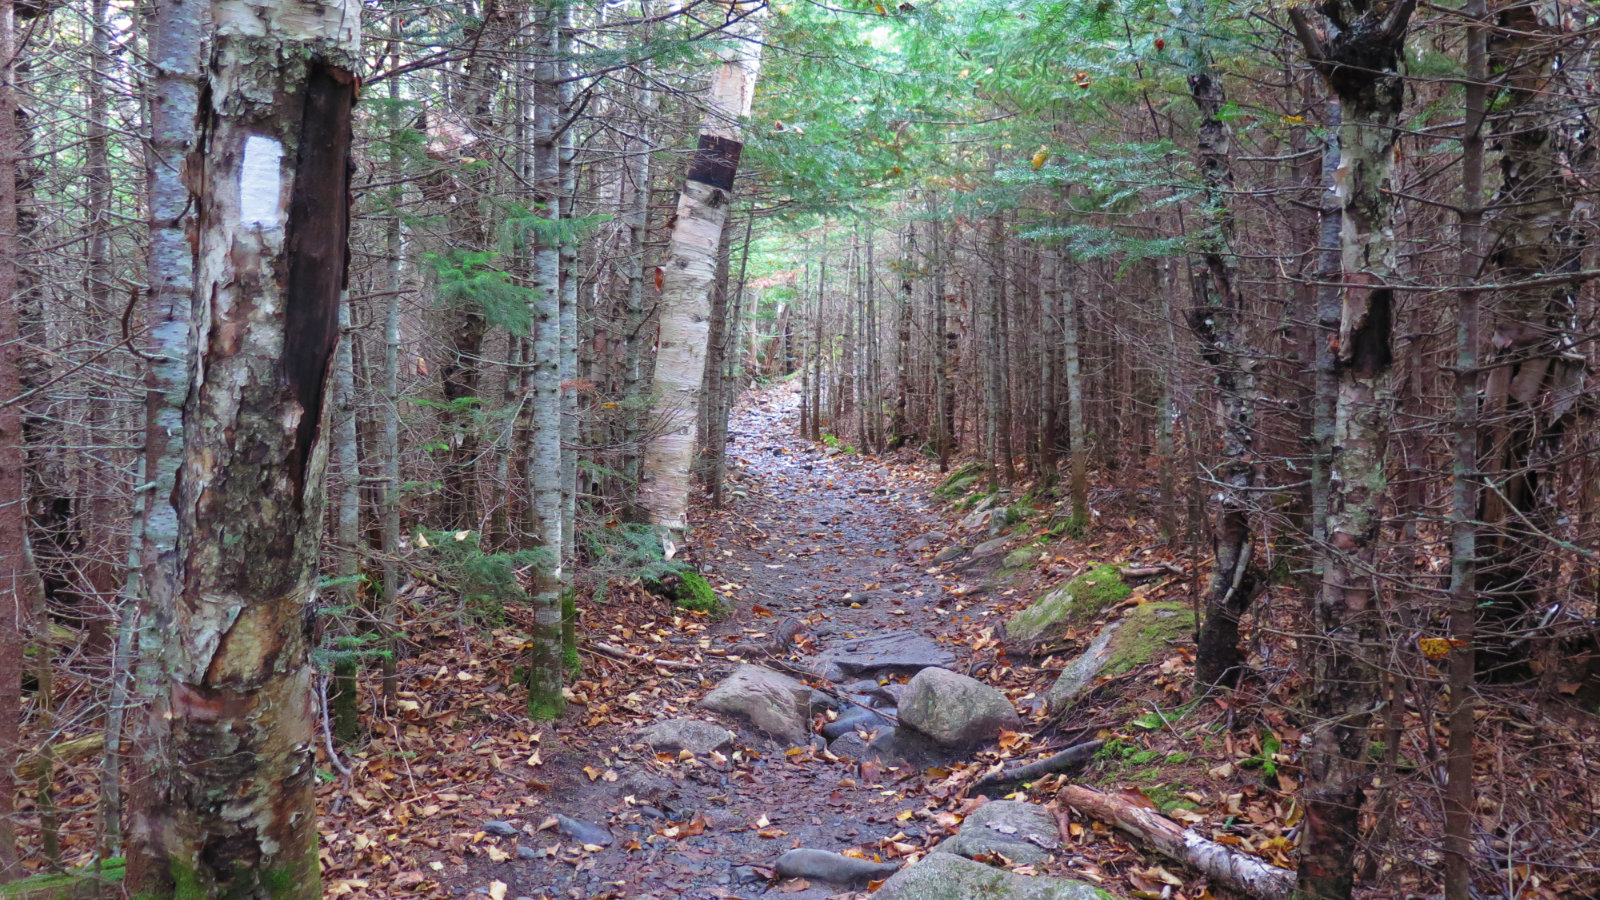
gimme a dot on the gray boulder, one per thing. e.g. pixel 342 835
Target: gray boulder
pixel 693 735
pixel 953 552
pixel 1021 832
pixel 954 710
pixel 946 876
pixel 820 865
pixel 772 702
pixel 853 719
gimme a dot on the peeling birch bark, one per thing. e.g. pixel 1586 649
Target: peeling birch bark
pixel 233 814
pixel 1359 52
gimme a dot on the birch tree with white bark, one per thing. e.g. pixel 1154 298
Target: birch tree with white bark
pixel 688 272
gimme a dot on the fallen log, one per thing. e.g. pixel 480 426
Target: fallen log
pixel 1217 862
pixel 31 766
pixel 1060 762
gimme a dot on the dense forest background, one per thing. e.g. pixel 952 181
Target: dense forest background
pixel 1310 288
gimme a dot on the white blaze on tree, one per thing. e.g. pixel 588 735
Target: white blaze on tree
pixel 688 272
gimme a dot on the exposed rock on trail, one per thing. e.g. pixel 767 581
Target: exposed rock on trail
pixel 946 876
pixel 954 710
pixel 899 652
pixel 1021 832
pixel 831 867
pixel 692 735
pixel 773 702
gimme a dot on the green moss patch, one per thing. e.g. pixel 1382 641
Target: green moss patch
pixel 1073 605
pixel 78 884
pixel 960 481
pixel 1147 630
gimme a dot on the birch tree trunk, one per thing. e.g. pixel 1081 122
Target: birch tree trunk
pixel 234 813
pixel 178 33
pixel 687 275
pixel 543 467
pixel 1360 55
pixel 1077 432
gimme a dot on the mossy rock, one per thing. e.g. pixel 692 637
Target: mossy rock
pixel 1148 629
pixel 691 591
pixel 960 481
pixel 1020 558
pixel 1072 605
pixel 78 884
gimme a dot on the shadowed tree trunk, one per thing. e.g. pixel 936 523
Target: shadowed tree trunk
pixel 19 587
pixel 1534 372
pixel 1216 322
pixel 232 813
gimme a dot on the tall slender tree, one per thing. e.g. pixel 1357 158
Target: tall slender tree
pixel 689 269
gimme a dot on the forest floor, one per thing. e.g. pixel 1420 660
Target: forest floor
pixel 457 795
pixel 453 793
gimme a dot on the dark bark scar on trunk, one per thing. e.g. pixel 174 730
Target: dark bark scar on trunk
pixel 317 248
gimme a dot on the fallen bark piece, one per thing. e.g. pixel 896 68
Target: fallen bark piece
pixel 835 868
pixel 616 652
pixel 1222 865
pixel 1072 756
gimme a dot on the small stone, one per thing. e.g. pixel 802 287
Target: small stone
pixel 955 551
pixel 583 832
pixel 835 868
pixel 849 745
pixel 748 875
pixel 502 829
pixel 524 852
pixel 989 548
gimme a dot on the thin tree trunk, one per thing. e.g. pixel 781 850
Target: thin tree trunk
pixel 17 578
pixel 543 460
pixel 344 710
pixel 900 427
pixel 1216 322
pixel 1459 806
pixel 1077 433
pixel 1534 374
